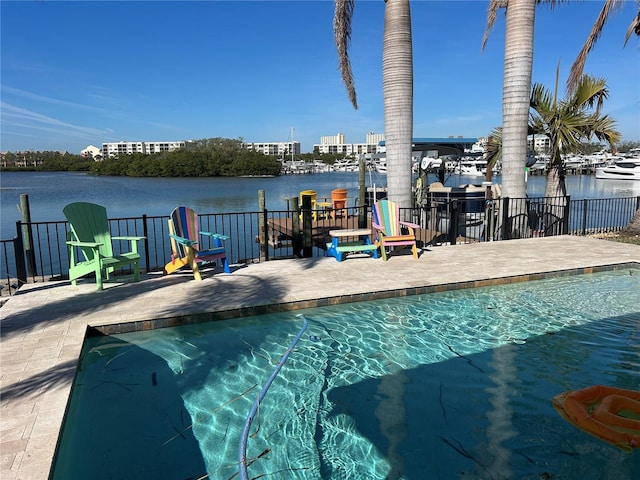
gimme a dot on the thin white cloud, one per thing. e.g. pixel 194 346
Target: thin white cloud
pixel 14 116
pixel 6 89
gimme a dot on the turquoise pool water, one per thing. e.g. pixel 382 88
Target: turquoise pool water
pixel 447 385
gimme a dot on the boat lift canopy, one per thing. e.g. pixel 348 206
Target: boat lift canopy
pixel 444 146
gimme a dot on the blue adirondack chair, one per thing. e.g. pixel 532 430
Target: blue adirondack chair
pixel 389 229
pixel 184 233
pixel 89 234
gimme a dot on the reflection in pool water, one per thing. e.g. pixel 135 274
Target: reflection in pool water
pixel 448 385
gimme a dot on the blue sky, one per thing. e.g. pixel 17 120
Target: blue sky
pixel 81 73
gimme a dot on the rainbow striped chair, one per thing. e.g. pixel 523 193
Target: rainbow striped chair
pixel 184 233
pixel 389 229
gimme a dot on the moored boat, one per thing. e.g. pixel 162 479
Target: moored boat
pixel 626 169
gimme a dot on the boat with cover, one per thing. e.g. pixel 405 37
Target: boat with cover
pixel 609 413
pixel 625 169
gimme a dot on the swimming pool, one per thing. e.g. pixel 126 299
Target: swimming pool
pixel 446 385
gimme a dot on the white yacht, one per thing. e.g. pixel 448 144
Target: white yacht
pixel 625 169
pixel 346 165
pixel 474 168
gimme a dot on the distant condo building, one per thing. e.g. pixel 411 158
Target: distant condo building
pixel 91 151
pixel 280 149
pixel 538 143
pixel 336 144
pixel 127 148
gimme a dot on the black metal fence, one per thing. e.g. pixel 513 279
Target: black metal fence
pixel 38 251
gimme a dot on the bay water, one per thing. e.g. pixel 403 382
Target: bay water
pixel 49 192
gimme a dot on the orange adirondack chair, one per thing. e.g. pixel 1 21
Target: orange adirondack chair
pixel 389 229
pixel 339 202
pixel 184 233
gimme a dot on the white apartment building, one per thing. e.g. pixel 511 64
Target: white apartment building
pixel 91 151
pixel 336 144
pixel 538 143
pixel 114 149
pixel 280 149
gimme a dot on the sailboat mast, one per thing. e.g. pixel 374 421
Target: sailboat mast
pixel 292 146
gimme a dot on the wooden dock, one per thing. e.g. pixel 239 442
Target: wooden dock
pixel 281 234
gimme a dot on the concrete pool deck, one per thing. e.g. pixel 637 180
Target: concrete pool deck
pixel 44 324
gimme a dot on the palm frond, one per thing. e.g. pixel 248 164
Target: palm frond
pixel 605 129
pixel 342 16
pixel 578 65
pixel 492 13
pixel 634 27
pixel 494 147
pixel 591 92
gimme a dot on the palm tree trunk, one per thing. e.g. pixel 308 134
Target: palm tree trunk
pixel 555 192
pixel 516 92
pixel 397 85
pixel 516 95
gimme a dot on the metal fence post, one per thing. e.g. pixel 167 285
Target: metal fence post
pixel 585 206
pixel 567 213
pixel 506 234
pixel 145 232
pixel 454 218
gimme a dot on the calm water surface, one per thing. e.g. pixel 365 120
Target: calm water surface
pixel 132 197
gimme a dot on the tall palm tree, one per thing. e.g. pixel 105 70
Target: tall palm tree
pixel 397 86
pixel 516 88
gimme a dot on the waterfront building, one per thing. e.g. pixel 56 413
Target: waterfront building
pixel 279 149
pixel 113 149
pixel 538 143
pixel 336 144
pixel 91 151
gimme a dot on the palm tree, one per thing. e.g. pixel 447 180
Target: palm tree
pixel 516 88
pixel 570 121
pixel 397 86
pixel 567 123
pixel 520 20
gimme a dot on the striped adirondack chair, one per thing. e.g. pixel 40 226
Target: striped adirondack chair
pixel 184 233
pixel 389 229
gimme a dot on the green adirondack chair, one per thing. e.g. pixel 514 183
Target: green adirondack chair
pixel 89 234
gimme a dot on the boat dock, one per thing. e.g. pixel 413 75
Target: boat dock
pixel 281 232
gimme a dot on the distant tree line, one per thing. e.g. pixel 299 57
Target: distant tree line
pixel 45 161
pixel 213 157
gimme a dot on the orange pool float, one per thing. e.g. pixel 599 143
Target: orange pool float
pixel 611 414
